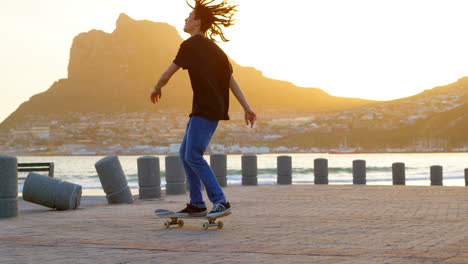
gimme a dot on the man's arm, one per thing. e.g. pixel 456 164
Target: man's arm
pixel 250 116
pixel 165 77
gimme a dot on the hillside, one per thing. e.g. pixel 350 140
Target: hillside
pixel 434 119
pixel 115 72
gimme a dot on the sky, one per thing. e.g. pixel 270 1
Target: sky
pixel 372 49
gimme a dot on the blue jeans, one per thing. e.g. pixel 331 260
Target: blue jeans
pixel 197 137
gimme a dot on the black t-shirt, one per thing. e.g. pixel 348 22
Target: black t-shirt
pixel 210 74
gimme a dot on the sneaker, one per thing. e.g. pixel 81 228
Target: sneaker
pixel 220 208
pixel 192 210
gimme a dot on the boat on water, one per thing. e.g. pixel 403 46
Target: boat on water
pixel 83 152
pixel 345 151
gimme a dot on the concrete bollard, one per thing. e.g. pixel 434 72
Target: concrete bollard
pixel 218 163
pixel 50 192
pixel 436 175
pixel 284 169
pixel 321 171
pixel 8 187
pixel 113 180
pixel 175 176
pixel 119 197
pixel 466 177
pixel 359 172
pixel 149 192
pixel 398 173
pixel 149 178
pixel 8 207
pixel 249 170
pixel 8 177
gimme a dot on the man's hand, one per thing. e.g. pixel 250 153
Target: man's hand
pixel 156 95
pixel 250 117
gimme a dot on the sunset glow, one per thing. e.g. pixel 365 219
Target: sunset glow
pixel 365 48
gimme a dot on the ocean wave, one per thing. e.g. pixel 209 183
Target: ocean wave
pixel 309 171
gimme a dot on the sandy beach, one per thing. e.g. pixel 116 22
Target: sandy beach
pixel 269 224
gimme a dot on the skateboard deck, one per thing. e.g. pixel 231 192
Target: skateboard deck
pixel 177 219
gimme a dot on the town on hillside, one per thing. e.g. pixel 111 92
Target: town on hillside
pixel 162 131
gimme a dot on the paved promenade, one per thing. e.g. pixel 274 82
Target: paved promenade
pixel 269 224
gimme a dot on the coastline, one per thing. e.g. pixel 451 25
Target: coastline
pixel 81 169
pixel 47 154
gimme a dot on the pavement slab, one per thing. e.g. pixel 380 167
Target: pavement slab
pixel 269 224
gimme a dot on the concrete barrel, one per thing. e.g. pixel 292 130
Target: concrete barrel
pixel 359 172
pixel 466 177
pixel 321 171
pixel 175 175
pixel 8 177
pixel 398 173
pixel 436 175
pixel 8 186
pixel 149 192
pixel 249 170
pixel 121 196
pixel 8 207
pixel 113 180
pixel 218 163
pixel 284 169
pixel 52 193
pixel 149 178
pixel 68 196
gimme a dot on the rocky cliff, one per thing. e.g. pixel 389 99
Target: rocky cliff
pixel 115 72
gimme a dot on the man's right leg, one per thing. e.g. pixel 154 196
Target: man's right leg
pixel 196 206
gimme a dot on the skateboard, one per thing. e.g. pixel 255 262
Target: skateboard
pixel 177 220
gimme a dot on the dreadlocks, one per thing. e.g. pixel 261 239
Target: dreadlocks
pixel 213 17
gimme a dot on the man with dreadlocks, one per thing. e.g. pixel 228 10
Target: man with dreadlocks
pixel 211 77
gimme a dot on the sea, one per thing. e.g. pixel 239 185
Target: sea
pixel 80 169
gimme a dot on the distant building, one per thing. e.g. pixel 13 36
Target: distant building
pixel 367 117
pixel 40 132
pixel 271 137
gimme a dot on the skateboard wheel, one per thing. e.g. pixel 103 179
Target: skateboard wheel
pixel 220 224
pixel 167 224
pixel 205 226
pixel 180 223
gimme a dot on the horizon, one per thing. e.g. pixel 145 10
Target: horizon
pixel 349 52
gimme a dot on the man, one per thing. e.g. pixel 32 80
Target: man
pixel 211 77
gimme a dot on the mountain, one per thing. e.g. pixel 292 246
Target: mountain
pixel 116 72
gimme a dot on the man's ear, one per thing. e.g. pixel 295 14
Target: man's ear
pixel 198 23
